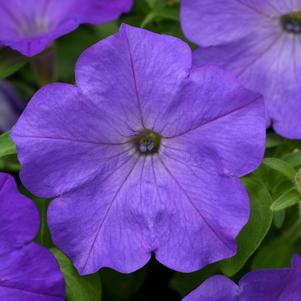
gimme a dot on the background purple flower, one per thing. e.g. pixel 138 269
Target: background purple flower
pixel 260 42
pixel 28 272
pixel 260 285
pixel 11 106
pixel 29 26
pixel 143 156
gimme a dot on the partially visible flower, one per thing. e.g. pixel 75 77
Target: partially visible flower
pixel 260 42
pixel 11 106
pixel 28 271
pixel 260 285
pixel 143 155
pixel 29 26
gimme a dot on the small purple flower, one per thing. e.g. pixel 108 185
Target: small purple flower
pixel 260 285
pixel 11 106
pixel 29 26
pixel 28 271
pixel 143 155
pixel 260 42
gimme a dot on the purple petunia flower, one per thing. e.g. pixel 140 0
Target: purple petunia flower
pixel 260 285
pixel 28 271
pixel 11 106
pixel 260 42
pixel 29 26
pixel 143 155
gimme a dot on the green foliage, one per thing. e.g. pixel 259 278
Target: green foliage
pixel 43 237
pixel 274 140
pixel 185 283
pixel 281 166
pixel 294 158
pixel 8 158
pixel 286 199
pixel 10 62
pixel 254 232
pixel 122 287
pixel 279 218
pixel 78 288
pixel 276 254
pixel 7 146
pixel 161 9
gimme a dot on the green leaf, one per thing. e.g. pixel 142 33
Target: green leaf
pixel 185 283
pixel 105 30
pixel 161 10
pixel 7 146
pixel 169 13
pixel 151 3
pixel 287 199
pixel 78 288
pixel 281 166
pixel 274 140
pixel 43 237
pixel 10 164
pixel 279 218
pixel 69 48
pixel 294 159
pixel 275 254
pixel 254 232
pixel 122 287
pixel 293 233
pixel 11 61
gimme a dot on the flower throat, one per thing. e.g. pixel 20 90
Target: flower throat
pixel 148 142
pixel 291 22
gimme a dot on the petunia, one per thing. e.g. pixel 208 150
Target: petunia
pixel 29 26
pixel 259 41
pixel 142 156
pixel 11 106
pixel 260 285
pixel 28 271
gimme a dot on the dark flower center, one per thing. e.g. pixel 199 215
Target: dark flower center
pixel 148 142
pixel 291 22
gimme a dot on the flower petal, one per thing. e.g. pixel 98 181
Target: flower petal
pixel 259 285
pixel 97 12
pixel 19 221
pixel 103 224
pixel 210 23
pixel 273 284
pixel 30 273
pixel 271 67
pixel 32 27
pixel 137 70
pixel 120 218
pixel 68 150
pixel 204 212
pixel 214 110
pixel 216 288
